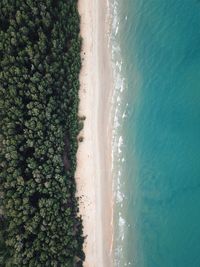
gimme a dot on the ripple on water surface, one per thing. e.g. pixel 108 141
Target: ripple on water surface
pixel 156 144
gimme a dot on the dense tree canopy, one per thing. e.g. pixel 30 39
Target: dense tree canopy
pixel 39 83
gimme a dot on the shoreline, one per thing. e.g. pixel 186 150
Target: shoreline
pixel 93 174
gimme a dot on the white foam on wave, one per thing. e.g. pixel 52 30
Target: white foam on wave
pixel 119 111
pixel 117 139
pixel 119 197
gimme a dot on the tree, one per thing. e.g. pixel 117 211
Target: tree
pixel 40 64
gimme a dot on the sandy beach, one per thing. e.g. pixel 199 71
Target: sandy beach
pixel 93 175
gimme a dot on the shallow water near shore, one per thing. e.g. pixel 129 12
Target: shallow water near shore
pixel 156 133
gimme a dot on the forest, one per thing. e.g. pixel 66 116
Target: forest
pixel 39 83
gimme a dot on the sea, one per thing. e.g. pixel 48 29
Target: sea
pixel 155 48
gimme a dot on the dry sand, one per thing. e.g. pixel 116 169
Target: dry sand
pixel 93 175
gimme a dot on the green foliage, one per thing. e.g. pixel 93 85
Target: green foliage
pixel 39 74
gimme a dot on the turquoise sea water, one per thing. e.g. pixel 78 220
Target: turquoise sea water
pixel 156 137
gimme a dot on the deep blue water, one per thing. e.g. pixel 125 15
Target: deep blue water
pixel 160 50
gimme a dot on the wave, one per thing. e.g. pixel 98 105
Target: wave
pixel 119 111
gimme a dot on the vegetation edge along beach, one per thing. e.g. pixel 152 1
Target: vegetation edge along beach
pixel 39 71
